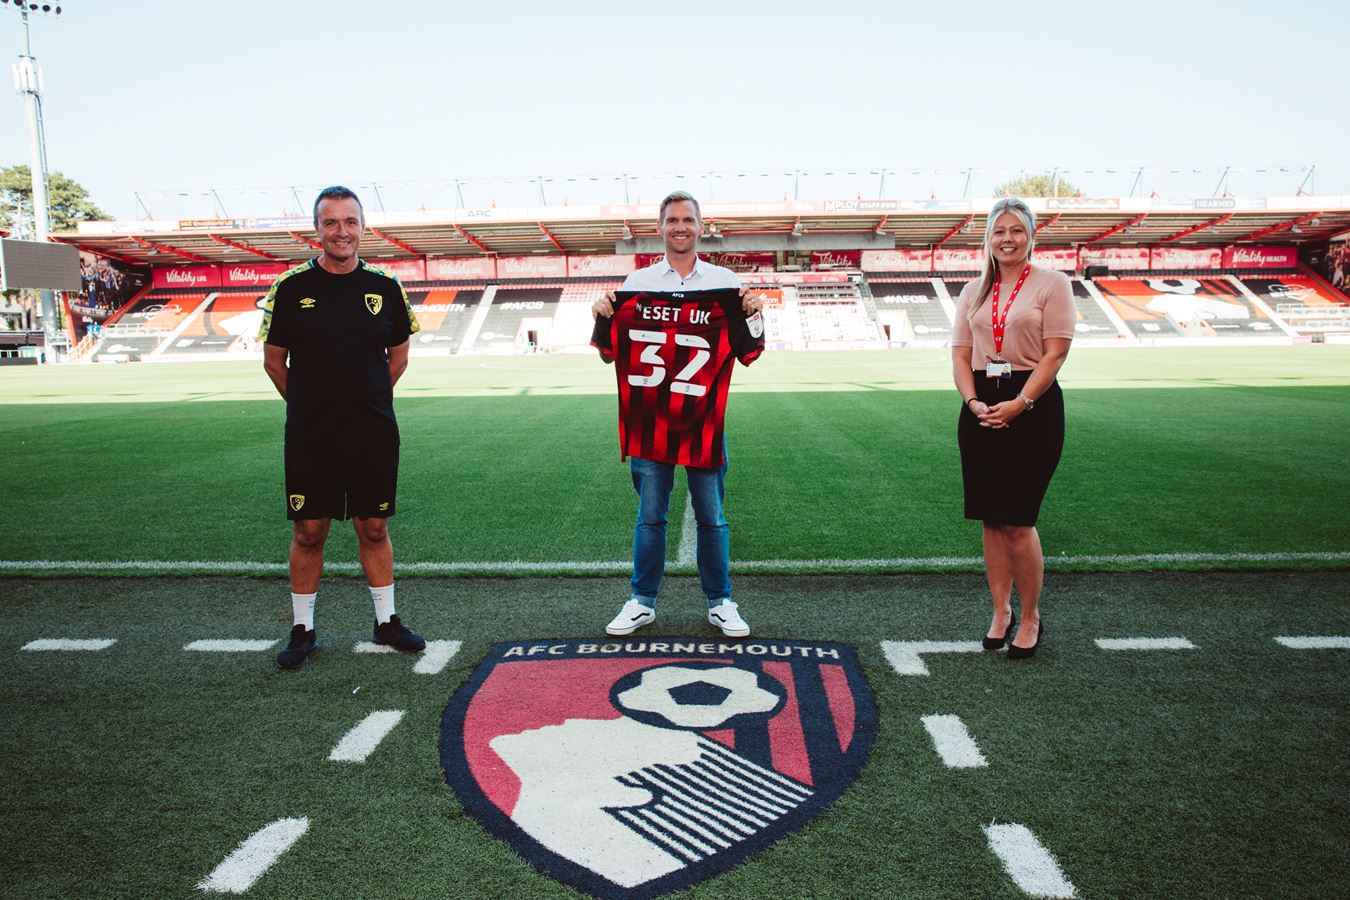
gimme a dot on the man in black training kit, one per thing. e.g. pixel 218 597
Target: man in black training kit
pixel 335 335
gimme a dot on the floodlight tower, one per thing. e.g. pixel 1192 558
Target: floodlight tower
pixel 28 82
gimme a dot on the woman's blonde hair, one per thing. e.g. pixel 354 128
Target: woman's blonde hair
pixel 989 267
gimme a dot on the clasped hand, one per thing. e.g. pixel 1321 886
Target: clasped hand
pixel 1000 415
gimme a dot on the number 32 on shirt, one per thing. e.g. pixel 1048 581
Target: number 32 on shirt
pixel 651 355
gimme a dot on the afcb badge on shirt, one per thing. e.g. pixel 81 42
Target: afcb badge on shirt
pixel 374 302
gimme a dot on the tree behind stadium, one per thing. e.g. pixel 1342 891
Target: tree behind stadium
pixel 68 201
pixel 1038 186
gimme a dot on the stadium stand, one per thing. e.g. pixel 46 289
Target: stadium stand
pixel 834 315
pixel 1306 304
pixel 910 309
pixel 519 319
pixel 444 314
pixel 1185 307
pixel 1092 320
pixel 142 327
pixel 227 322
pixel 572 324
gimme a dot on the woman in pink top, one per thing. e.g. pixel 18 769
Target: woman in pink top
pixel 1012 333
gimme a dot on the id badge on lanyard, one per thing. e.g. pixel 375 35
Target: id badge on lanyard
pixel 998 367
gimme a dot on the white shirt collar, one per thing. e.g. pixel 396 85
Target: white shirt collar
pixel 670 270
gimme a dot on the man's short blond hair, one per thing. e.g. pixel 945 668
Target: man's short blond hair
pixel 677 197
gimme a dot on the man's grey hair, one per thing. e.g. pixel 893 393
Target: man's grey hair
pixel 337 192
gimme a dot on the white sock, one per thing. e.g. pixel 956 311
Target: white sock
pixel 383 597
pixel 302 606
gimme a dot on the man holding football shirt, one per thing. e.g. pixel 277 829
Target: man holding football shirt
pixel 669 292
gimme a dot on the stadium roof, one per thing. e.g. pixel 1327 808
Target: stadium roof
pixel 784 225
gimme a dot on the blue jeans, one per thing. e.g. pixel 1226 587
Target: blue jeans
pixel 653 482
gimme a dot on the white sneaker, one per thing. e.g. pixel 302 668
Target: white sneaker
pixel 725 617
pixel 632 617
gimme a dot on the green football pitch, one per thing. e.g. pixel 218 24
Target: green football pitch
pixel 1201 504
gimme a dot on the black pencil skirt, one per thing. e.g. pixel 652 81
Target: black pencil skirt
pixel 1006 471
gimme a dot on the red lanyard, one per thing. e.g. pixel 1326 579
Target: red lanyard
pixel 1001 321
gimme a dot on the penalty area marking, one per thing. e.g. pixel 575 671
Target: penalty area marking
pixel 429 662
pixel 251 859
pixel 904 656
pixel 362 740
pixel 69 644
pixel 953 742
pixel 617 567
pixel 1026 860
pixel 1315 642
pixel 1166 643
pixel 227 645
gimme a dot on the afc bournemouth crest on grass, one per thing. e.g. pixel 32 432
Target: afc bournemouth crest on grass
pixel 636 768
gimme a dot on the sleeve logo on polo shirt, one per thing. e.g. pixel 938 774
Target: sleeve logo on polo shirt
pixel 308 303
pixel 297 501
pixel 374 303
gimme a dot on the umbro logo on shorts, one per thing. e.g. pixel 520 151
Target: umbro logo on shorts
pixel 374 303
pixel 628 768
pixel 297 501
pixel 383 507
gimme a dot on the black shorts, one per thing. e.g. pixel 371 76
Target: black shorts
pixel 330 481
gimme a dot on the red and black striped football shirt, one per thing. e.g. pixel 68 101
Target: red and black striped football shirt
pixel 673 356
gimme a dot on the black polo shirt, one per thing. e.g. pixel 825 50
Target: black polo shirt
pixel 337 330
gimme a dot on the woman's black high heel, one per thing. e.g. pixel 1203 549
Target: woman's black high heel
pixel 997 643
pixel 1016 652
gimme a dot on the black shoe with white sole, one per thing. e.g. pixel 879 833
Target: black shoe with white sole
pixel 298 649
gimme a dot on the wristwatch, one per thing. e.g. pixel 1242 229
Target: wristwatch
pixel 1031 404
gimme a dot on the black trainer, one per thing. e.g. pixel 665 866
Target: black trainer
pixel 394 634
pixel 301 645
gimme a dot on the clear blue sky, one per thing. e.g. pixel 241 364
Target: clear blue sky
pixel 153 96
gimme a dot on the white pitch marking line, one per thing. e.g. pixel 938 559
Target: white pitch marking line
pixel 1166 643
pixel 227 645
pixel 251 859
pixel 953 742
pixel 1030 865
pixel 435 658
pixel 688 535
pixel 69 644
pixel 1313 642
pixel 429 662
pixel 362 740
pixel 905 659
pixel 602 567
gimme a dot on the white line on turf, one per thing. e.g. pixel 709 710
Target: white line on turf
pixel 688 535
pixel 1313 642
pixel 1027 861
pixel 251 859
pixel 226 645
pixel 905 659
pixel 362 740
pixel 608 567
pixel 953 742
pixel 69 644
pixel 1166 643
pixel 429 662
